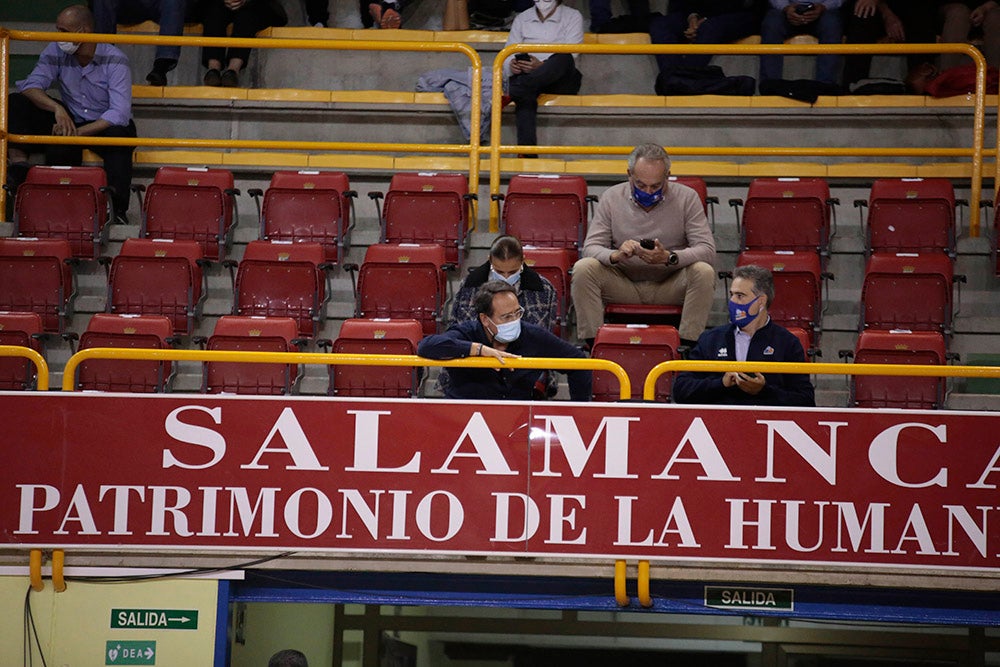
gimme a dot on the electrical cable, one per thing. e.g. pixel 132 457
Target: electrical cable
pixel 31 631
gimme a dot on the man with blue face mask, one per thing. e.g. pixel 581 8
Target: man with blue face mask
pixel 500 332
pixel 95 89
pixel 749 336
pixel 649 243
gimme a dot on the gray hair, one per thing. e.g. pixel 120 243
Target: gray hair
pixel 648 152
pixel 483 301
pixel 762 279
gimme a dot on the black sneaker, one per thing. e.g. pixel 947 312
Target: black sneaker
pixel 229 79
pixel 213 77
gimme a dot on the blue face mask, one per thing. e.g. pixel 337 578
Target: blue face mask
pixel 647 199
pixel 507 332
pixel 739 313
pixel 512 279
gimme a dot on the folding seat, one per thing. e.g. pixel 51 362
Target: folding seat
pixel 898 346
pixel 427 208
pixel 908 291
pixel 910 215
pixel 21 330
pixel 402 281
pixel 798 286
pixel 555 265
pixel 697 183
pixel 131 375
pixel 65 203
pixel 36 276
pixel 282 279
pixel 310 206
pixel 193 203
pixel 805 339
pixel 787 214
pixel 376 336
pixel 158 277
pixel 252 334
pixel 547 211
pixel 637 348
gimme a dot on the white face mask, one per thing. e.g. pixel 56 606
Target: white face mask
pixel 69 47
pixel 545 6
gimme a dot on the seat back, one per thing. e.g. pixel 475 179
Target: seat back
pixel 637 348
pixel 546 211
pixel 21 330
pixel 157 277
pixel 36 277
pixel 907 291
pixel 250 334
pixel 403 281
pixel 309 206
pixel 797 287
pixel 128 375
pixel 428 208
pixel 772 202
pixel 805 340
pixel 190 203
pixel 555 265
pixel 376 336
pixel 64 203
pixel 697 184
pixel 282 280
pixel 911 215
pixel 898 347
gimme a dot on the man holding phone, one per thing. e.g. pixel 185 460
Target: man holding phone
pixel 786 18
pixel 749 336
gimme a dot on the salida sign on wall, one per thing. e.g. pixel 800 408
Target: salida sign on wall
pixel 851 487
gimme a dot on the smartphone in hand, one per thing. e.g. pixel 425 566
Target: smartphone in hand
pixel 648 244
pixel 804 7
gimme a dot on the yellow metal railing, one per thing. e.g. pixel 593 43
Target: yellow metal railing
pixel 810 368
pixel 69 372
pixel 41 368
pixel 976 152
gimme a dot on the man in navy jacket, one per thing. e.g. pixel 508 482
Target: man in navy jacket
pixel 499 332
pixel 750 336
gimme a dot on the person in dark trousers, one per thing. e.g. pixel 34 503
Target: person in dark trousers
pixel 749 336
pixel 170 14
pixel 248 17
pixel 702 22
pixel 499 332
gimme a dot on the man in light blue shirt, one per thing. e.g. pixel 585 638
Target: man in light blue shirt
pixel 785 18
pixel 95 100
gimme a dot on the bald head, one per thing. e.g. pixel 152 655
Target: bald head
pixel 75 18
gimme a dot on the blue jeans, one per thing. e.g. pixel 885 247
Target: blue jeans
pixel 600 11
pixel 721 29
pixel 829 29
pixel 168 13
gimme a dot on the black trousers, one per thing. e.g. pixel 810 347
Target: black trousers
pixel 26 118
pixel 557 75
pixel 247 21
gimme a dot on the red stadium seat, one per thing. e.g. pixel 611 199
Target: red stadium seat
pixel 546 211
pixel 191 203
pixel 35 276
pixel 908 291
pixel 555 265
pixel 128 375
pixel 805 339
pixel 22 330
pixel 636 348
pixel 158 277
pixel 786 214
pixel 281 279
pixel 427 208
pixel 910 215
pixel 308 206
pixel 251 334
pixel 65 203
pixel 797 285
pixel 642 313
pixel 402 281
pixel 376 336
pixel 898 347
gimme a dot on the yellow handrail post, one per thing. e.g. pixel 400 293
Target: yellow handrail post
pixel 58 561
pixel 35 570
pixel 621 596
pixel 41 368
pixel 645 599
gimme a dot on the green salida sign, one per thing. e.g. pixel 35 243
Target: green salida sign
pixel 155 619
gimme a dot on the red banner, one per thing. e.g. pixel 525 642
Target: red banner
pixel 622 481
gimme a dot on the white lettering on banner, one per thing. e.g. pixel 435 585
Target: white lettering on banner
pixel 884 455
pixel 975 533
pixel 366 444
pixel 456 515
pixel 79 511
pixel 324 513
pixel 26 515
pixel 194 435
pixel 501 530
pixel 707 455
pixel 847 515
pixel 296 445
pixel 368 515
pixel 161 509
pixel 677 517
pixel 792 532
pixel 563 517
pixel 811 451
pixel 239 501
pixel 569 441
pixel 477 431
pixel 738 524
pixel 991 467
pixel 121 506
